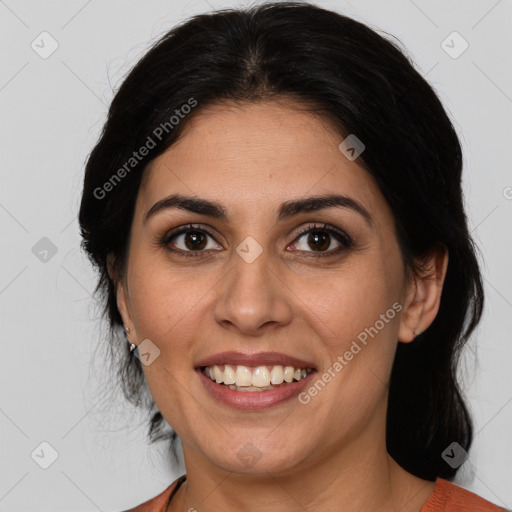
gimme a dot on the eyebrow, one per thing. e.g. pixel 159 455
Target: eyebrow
pixel 286 210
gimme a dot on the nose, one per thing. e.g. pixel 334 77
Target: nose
pixel 253 298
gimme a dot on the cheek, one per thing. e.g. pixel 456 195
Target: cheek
pixel 166 300
pixel 352 302
pixel 357 322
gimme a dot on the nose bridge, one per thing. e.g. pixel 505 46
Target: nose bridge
pixel 251 294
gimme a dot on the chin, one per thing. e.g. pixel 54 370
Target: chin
pixel 259 457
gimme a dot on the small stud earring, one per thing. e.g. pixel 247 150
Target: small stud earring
pixel 132 345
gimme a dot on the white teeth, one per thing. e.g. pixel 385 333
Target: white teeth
pixel 229 375
pixel 243 376
pixel 260 378
pixel 219 376
pixel 288 373
pixel 277 375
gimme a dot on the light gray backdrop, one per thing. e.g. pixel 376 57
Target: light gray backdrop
pixel 60 61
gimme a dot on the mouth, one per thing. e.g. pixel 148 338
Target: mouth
pixel 254 381
pixel 254 378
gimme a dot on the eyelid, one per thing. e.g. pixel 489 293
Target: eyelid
pixel 184 229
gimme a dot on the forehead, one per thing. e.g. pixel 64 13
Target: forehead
pixel 257 155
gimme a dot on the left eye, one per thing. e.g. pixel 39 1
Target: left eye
pixel 321 238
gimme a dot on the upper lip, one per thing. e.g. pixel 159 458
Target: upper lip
pixel 255 359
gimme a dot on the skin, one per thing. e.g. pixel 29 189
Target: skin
pixel 329 454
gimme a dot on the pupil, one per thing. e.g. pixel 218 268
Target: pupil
pixel 314 237
pixel 197 240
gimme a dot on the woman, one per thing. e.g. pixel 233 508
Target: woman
pixel 275 210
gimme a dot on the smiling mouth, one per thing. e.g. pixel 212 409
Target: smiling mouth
pixel 256 378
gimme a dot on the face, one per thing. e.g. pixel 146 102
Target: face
pixel 255 274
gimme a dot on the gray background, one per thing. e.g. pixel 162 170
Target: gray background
pixel 52 110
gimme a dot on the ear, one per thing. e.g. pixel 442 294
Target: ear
pixel 423 295
pixel 122 297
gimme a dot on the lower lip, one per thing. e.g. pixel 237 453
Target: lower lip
pixel 253 400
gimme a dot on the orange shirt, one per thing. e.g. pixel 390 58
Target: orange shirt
pixel 446 497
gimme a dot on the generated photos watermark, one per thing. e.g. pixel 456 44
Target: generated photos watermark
pixel 137 156
pixel 355 348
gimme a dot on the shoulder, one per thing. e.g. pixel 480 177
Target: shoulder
pixel 449 497
pixel 159 503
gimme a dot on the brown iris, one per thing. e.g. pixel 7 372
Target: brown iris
pixel 195 240
pixel 318 240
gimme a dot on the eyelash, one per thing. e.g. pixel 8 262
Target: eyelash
pixel 345 240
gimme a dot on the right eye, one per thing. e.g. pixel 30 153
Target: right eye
pixel 189 241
